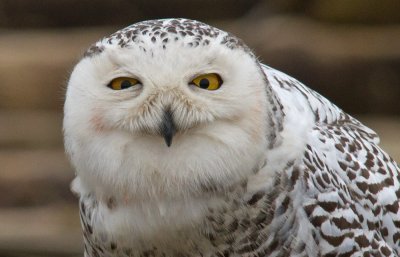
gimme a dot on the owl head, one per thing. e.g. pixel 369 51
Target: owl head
pixel 166 108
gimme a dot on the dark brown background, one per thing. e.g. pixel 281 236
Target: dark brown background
pixel 347 50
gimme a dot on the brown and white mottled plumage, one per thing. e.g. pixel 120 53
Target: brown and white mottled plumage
pixel 263 166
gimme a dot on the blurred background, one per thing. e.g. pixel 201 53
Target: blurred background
pixel 347 50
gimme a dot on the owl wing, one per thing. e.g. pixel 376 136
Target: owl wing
pixel 350 186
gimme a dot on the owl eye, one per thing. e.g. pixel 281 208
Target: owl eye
pixel 211 81
pixel 122 83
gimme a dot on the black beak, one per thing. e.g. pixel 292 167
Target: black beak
pixel 167 127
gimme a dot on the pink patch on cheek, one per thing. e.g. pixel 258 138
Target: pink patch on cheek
pixel 97 122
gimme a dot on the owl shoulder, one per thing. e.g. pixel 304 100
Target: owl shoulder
pixel 350 186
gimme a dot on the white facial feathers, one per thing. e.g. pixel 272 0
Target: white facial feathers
pixel 114 136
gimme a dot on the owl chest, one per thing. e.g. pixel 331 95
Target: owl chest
pixel 141 229
pixel 234 227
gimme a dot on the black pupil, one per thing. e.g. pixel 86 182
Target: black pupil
pixel 204 83
pixel 126 84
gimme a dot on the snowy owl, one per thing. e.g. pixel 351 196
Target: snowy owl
pixel 184 144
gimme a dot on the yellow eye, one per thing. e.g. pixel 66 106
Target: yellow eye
pixel 122 83
pixel 211 81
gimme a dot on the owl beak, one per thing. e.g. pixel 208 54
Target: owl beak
pixel 167 127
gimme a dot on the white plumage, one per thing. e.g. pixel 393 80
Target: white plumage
pixel 185 145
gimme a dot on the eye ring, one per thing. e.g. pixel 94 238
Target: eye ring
pixel 122 83
pixel 209 81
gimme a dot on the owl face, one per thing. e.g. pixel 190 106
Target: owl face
pixel 148 116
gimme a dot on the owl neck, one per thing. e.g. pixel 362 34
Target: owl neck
pixel 275 115
pixel 185 226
